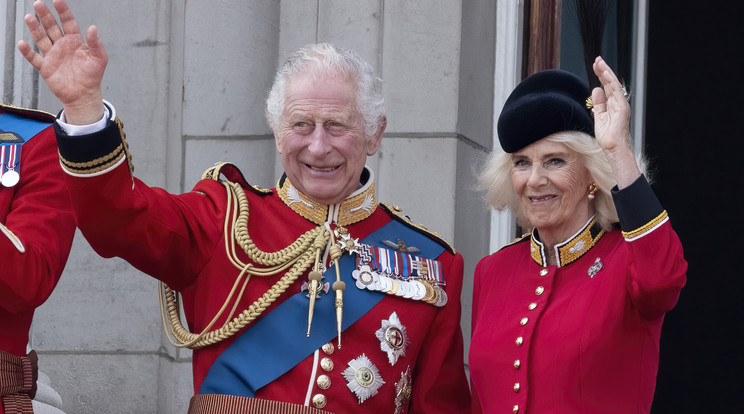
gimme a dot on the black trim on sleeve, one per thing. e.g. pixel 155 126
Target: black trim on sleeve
pixel 636 205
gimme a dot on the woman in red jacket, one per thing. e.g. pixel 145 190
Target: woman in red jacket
pixel 567 319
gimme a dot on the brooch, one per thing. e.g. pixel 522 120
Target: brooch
pixel 595 268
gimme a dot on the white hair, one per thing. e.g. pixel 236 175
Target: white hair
pixel 326 59
pixel 500 194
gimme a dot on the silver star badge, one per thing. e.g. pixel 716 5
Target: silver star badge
pixel 363 378
pixel 393 338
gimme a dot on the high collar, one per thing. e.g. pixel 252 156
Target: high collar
pixel 570 250
pixel 356 207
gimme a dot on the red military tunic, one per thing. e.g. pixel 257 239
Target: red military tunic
pixel 582 336
pixel 36 230
pixel 181 240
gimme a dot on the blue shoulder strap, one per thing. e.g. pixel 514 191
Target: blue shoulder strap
pixel 16 129
pixel 277 342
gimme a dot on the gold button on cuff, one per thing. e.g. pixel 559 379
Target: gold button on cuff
pixel 515 409
pixel 532 306
pixel 324 382
pixel 543 272
pixel 328 348
pixel 519 341
pixel 524 321
pixel 319 401
pixel 517 364
pixel 327 364
pixel 539 291
pixel 516 387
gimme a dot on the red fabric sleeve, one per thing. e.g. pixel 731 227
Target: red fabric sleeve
pixel 40 216
pixel 170 237
pixel 658 271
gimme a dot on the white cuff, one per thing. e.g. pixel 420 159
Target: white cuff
pixel 73 130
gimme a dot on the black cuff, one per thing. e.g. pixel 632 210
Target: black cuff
pixel 87 154
pixel 636 205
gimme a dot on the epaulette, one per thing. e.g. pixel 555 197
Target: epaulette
pixel 34 114
pixel 519 239
pixel 233 174
pixel 398 215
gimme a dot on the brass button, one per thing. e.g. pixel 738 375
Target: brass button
pixel 519 341
pixel 539 291
pixel 532 306
pixel 324 382
pixel 517 364
pixel 515 408
pixel 327 364
pixel 543 272
pixel 516 387
pixel 524 321
pixel 328 348
pixel 319 401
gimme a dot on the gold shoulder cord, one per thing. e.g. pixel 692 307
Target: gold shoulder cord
pixel 300 255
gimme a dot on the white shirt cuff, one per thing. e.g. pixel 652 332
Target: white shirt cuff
pixel 73 130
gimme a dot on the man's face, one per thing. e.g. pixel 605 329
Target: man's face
pixel 321 137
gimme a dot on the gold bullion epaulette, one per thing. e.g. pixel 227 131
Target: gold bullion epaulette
pixel 233 174
pixel 397 214
pixel 29 113
pixel 519 239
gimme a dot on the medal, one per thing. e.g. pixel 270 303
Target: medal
pixel 403 389
pixel 363 378
pixel 393 338
pixel 9 156
pixel 10 178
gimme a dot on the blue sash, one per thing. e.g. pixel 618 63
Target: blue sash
pixel 277 342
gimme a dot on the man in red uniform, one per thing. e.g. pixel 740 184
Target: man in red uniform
pixel 36 230
pixel 307 298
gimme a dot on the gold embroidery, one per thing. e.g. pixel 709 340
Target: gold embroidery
pixel 646 227
pixel 572 249
pixel 352 210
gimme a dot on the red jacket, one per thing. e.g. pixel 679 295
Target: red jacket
pixel 180 240
pixel 36 215
pixel 36 227
pixel 581 337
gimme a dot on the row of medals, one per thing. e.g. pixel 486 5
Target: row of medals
pixel 412 288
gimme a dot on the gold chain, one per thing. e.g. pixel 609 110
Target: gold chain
pixel 298 256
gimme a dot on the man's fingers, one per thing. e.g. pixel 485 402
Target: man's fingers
pixel 69 25
pixel 38 33
pixel 46 18
pixel 30 55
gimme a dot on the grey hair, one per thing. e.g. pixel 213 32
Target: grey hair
pixel 500 194
pixel 326 59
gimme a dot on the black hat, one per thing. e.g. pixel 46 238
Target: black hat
pixel 544 103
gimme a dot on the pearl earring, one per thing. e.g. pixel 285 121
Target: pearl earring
pixel 592 189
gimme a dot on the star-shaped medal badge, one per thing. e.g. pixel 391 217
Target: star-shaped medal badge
pixel 363 378
pixel 403 389
pixel 393 338
pixel 345 242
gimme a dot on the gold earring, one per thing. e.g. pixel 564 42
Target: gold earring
pixel 593 187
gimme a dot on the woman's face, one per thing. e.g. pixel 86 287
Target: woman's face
pixel 552 184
